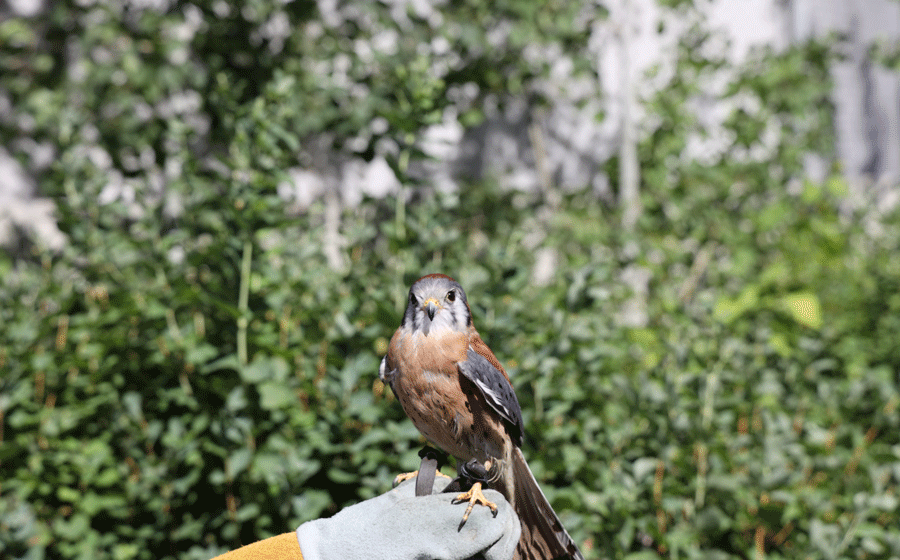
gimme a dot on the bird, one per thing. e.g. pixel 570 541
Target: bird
pixel 460 398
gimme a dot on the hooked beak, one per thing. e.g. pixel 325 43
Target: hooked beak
pixel 431 307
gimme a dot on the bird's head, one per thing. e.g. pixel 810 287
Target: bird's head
pixel 437 303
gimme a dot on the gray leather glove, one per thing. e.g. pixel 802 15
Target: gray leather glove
pixel 398 525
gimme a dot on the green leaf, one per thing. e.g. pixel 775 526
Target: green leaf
pixel 728 310
pixel 274 395
pixel 238 462
pixel 804 308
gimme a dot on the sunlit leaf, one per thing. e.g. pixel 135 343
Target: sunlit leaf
pixel 805 308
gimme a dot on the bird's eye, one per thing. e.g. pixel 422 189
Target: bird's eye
pixel 451 295
pixel 412 299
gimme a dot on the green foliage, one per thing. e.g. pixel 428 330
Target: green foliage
pixel 188 375
pixel 732 421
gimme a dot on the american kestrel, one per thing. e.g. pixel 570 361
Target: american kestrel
pixel 459 397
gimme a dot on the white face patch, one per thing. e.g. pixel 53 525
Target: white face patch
pixel 445 299
pixel 443 323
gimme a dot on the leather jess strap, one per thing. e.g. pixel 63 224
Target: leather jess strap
pixel 432 460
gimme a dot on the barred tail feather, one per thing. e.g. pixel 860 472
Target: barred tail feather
pixel 543 536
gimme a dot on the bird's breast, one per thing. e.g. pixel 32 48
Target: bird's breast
pixel 427 385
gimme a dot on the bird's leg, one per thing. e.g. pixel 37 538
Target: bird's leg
pixel 475 496
pixel 403 477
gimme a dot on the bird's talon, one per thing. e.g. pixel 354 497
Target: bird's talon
pixel 403 477
pixel 475 496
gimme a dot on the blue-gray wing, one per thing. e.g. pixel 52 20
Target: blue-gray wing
pixel 496 390
pixel 387 373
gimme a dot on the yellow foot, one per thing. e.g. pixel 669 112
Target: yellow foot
pixel 403 477
pixel 475 496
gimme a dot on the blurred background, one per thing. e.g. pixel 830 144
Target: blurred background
pixel 676 221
